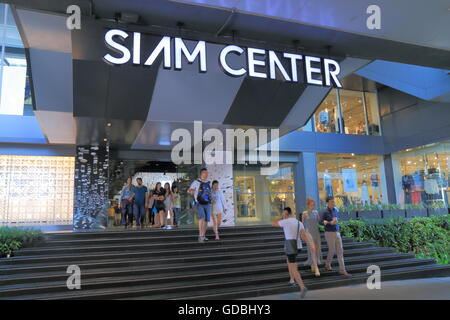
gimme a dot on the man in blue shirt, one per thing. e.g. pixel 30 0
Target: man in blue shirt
pixel 329 218
pixel 140 203
pixel 126 203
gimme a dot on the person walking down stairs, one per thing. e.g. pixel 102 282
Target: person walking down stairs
pixel 201 190
pixel 311 219
pixel 294 231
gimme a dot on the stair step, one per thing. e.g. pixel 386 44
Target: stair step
pixel 148 231
pixel 164 245
pixel 156 238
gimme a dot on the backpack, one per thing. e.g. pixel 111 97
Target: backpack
pixel 204 193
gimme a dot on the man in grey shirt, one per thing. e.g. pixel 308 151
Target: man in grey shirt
pixel 126 203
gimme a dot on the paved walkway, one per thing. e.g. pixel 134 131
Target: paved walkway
pixel 419 289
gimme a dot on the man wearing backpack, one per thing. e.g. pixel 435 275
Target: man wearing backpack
pixel 201 189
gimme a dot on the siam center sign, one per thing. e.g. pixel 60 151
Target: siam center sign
pixel 259 63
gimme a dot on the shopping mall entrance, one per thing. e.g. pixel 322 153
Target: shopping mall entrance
pixel 251 198
pixel 151 173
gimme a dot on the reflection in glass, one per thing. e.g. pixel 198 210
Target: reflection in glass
pixel 353 112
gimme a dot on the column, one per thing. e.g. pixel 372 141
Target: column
pixel 390 179
pixel 305 180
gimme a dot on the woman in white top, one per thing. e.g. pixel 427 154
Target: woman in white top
pixel 218 207
pixel 294 230
pixel 168 202
pixel 176 202
pixel 310 219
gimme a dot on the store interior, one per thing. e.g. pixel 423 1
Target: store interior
pixel 352 179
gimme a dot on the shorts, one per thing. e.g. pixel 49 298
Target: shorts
pixel 204 211
pixel 216 209
pixel 292 258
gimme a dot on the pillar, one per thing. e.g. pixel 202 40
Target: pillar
pixel 305 180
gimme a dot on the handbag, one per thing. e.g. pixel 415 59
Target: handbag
pixel 290 246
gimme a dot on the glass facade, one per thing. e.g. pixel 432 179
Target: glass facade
pixel 421 175
pixel 36 190
pixel 259 199
pixel 354 111
pixel 15 92
pixel 352 179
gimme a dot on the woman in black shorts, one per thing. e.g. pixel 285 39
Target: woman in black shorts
pixel 158 205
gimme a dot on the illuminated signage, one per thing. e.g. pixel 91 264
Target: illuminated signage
pixel 260 63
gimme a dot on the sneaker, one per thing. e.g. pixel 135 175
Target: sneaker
pixel 303 293
pixel 201 239
pixel 292 284
pixel 205 238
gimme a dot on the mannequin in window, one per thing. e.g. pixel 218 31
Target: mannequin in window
pixel 324 120
pixel 365 193
pixel 375 184
pixel 327 184
pixel 417 194
pixel 431 185
pixel 407 182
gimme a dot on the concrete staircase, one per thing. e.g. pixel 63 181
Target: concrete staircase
pixel 170 264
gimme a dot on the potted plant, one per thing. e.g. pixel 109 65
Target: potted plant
pixel 416 210
pixel 369 211
pixel 393 210
pixel 347 212
pixel 437 209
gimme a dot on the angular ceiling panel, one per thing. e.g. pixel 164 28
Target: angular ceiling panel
pixel 44 31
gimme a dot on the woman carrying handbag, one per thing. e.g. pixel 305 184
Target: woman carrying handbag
pixel 293 232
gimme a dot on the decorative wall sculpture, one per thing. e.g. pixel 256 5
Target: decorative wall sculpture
pixel 36 190
pixel 91 188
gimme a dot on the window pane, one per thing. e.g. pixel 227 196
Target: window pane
pixel 2 13
pixel 352 106
pixel 351 179
pixel 9 17
pixel 259 199
pixel 421 175
pixel 372 113
pixel 326 116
